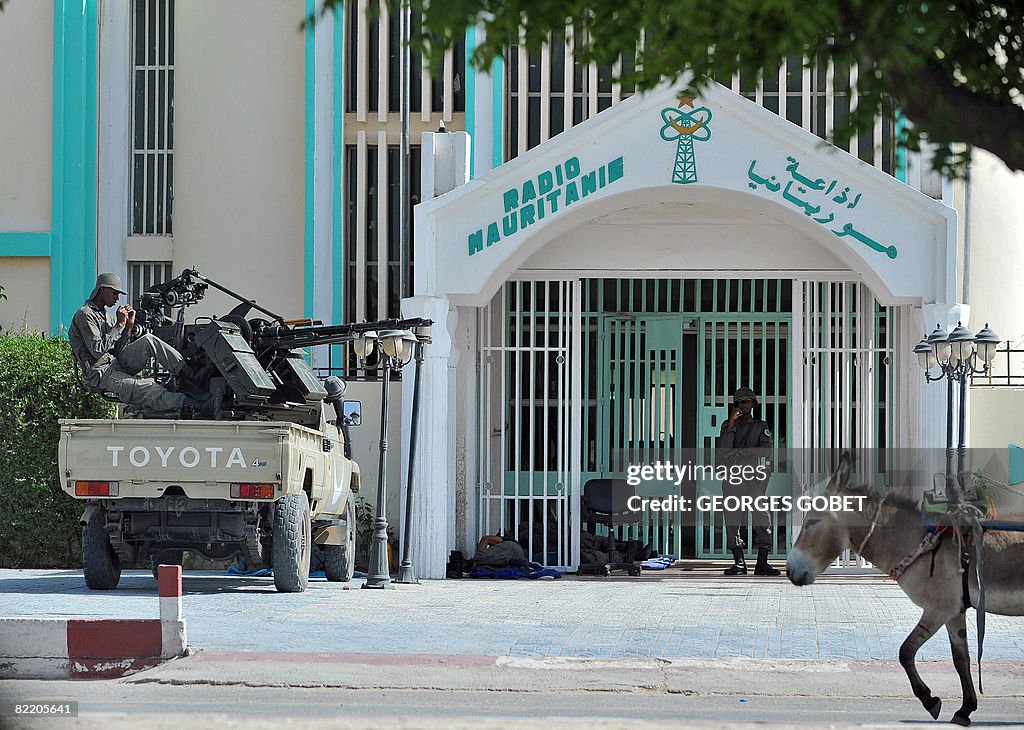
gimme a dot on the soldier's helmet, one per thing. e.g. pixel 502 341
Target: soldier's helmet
pixel 745 394
pixel 111 281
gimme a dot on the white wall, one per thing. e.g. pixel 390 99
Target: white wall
pixel 239 149
pixel 26 88
pixel 996 418
pixel 996 270
pixel 997 247
pixel 366 444
pixel 685 236
pixel 26 282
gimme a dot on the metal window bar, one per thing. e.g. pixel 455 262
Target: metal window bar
pixel 152 118
pixel 373 67
pixel 848 350
pixel 525 477
pixel 1006 370
pixel 550 91
pixel 817 99
pixel 144 274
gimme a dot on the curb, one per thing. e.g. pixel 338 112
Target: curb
pixel 40 648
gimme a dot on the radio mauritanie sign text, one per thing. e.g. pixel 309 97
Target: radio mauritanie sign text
pixel 547 194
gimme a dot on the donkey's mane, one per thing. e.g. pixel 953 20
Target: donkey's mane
pixel 892 499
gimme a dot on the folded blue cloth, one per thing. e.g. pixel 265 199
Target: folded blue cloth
pixel 658 563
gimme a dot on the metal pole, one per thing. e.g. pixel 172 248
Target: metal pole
pixel 951 494
pixel 403 176
pixel 379 575
pixel 406 573
pixel 961 443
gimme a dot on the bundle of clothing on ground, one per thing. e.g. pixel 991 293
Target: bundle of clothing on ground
pixel 498 557
pixel 606 549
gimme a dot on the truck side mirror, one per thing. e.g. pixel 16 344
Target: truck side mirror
pixel 352 413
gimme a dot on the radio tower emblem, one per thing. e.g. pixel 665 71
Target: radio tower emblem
pixel 685 127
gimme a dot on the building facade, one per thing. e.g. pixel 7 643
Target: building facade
pixel 605 268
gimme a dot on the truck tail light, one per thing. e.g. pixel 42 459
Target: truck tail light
pixel 95 489
pixel 252 491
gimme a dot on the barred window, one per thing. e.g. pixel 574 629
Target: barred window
pixel 372 234
pixel 550 91
pixel 144 274
pixel 819 99
pixel 373 70
pixel 152 118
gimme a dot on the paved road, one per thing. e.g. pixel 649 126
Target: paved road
pixel 686 614
pixel 262 692
pixel 688 648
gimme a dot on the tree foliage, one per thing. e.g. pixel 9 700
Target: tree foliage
pixel 38 385
pixel 955 68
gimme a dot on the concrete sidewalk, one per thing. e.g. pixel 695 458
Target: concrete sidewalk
pixel 675 614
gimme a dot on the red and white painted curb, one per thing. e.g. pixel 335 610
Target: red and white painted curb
pixel 41 648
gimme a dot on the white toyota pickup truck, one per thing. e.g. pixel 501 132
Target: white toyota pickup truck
pixel 264 490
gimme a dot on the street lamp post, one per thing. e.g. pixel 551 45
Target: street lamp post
pixel 406 572
pixel 394 349
pixel 957 356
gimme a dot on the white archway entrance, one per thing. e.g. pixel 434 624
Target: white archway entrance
pixel 669 193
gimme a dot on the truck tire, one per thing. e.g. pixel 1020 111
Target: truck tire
pixel 100 563
pixel 293 543
pixel 167 557
pixel 340 560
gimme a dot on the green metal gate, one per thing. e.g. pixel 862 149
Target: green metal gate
pixel 580 379
pixel 743 350
pixel 640 412
pixel 666 363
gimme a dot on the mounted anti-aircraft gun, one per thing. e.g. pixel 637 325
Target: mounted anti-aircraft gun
pixel 267 478
pixel 250 367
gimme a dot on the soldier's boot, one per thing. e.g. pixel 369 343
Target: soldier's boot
pixel 763 567
pixel 739 566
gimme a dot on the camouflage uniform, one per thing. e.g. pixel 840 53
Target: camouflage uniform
pixel 745 444
pixel 110 363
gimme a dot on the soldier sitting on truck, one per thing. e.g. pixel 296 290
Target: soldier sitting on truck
pixel 111 363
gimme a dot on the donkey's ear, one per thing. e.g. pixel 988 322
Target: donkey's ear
pixel 841 476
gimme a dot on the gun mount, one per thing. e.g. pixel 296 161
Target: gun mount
pixel 253 368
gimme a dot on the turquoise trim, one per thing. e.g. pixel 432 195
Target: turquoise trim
pixel 310 153
pixel 497 117
pixel 16 243
pixel 73 211
pixel 901 151
pixel 338 176
pixel 471 98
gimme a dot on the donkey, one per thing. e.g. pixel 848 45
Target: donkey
pixel 890 532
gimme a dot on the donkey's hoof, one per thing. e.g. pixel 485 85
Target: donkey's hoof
pixel 934 707
pixel 962 720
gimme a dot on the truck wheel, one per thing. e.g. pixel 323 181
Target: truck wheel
pixel 100 563
pixel 340 560
pixel 167 557
pixel 293 541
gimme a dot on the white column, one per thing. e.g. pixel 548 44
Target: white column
pixel 433 503
pixel 445 162
pixel 466 347
pixel 114 146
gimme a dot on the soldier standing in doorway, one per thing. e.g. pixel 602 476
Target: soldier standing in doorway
pixel 745 441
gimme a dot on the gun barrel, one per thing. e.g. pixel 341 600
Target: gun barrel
pixel 289 337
